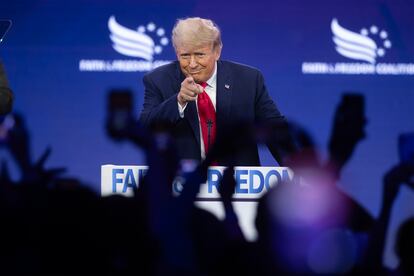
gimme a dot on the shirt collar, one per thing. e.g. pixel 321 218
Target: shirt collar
pixel 213 79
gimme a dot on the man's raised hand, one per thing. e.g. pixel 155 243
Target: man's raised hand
pixel 189 91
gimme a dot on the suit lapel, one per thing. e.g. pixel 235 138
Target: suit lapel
pixel 190 113
pixel 223 97
pixel 192 117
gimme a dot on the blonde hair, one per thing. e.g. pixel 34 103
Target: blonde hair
pixel 196 32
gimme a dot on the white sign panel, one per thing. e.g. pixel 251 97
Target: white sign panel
pixel 251 184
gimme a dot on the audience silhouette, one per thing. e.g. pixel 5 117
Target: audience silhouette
pixel 55 225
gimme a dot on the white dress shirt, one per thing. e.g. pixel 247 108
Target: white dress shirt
pixel 211 90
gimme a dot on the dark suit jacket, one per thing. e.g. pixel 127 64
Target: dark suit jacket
pixel 241 97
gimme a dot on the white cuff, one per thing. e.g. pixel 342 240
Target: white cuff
pixel 181 109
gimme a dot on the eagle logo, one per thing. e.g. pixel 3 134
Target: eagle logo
pixel 359 46
pixel 137 43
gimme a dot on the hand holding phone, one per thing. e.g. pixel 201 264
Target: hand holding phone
pixel 348 127
pixel 119 113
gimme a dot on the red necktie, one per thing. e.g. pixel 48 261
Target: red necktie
pixel 207 115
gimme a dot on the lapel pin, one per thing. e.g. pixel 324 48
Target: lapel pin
pixel 227 86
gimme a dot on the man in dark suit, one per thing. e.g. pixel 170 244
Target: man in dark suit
pixel 201 95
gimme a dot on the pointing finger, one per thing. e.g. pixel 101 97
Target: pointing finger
pixel 190 80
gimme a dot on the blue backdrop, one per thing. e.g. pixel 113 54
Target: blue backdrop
pixel 61 62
